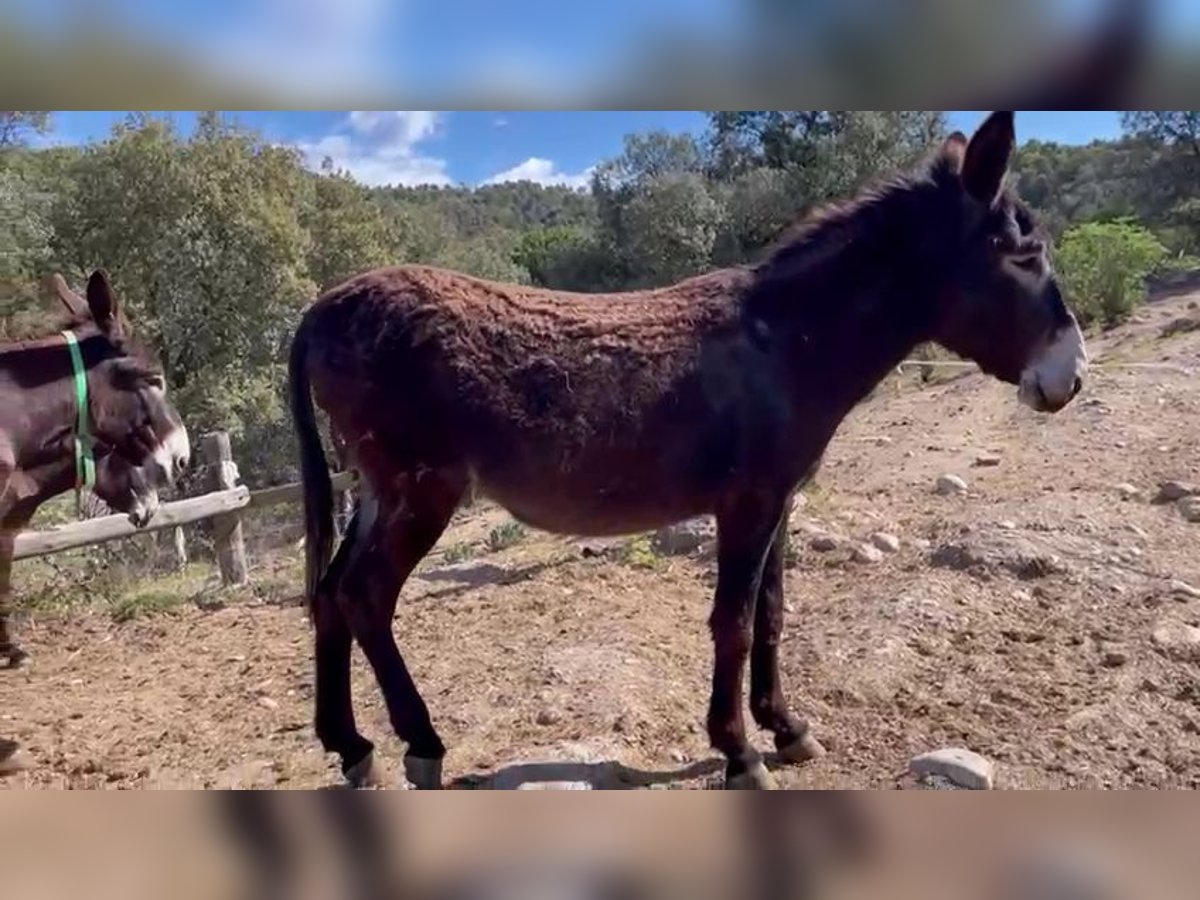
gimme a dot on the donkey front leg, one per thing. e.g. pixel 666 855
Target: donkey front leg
pixel 745 529
pixel 11 654
pixel 767 703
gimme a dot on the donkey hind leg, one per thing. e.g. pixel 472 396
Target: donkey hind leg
pixel 767 703
pixel 335 725
pixel 397 530
pixel 745 530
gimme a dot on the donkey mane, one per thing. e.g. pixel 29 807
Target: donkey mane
pixel 827 227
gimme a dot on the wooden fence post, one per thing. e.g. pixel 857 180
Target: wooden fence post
pixel 179 545
pixel 221 474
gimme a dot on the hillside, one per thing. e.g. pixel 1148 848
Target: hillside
pixel 1047 618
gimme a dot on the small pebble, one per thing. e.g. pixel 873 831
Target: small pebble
pixel 987 460
pixel 865 553
pixel 950 484
pixel 268 703
pixel 888 543
pixel 1128 491
pixel 1183 589
pixel 1115 658
pixel 824 543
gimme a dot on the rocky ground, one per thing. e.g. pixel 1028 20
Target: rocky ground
pixel 965 574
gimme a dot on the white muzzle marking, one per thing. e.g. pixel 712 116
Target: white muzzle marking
pixel 1055 375
pixel 172 455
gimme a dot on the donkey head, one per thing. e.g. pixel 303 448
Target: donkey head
pixel 140 441
pixel 1001 305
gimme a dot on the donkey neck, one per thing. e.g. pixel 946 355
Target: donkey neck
pixel 852 295
pixel 37 397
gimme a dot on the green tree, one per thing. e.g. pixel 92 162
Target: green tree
pixel 15 125
pixel 349 232
pixel 1104 266
pixel 670 225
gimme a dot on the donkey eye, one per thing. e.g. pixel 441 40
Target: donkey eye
pixel 157 382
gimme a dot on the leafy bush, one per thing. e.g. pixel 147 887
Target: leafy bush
pixel 1103 268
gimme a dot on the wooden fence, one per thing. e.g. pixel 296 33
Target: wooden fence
pixel 227 498
pixel 223 505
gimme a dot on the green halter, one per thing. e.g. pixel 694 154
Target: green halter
pixel 85 461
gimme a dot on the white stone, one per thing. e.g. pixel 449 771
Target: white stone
pixel 865 553
pixel 554 786
pixel 1182 588
pixel 888 543
pixel 1128 491
pixel 963 767
pixel 950 484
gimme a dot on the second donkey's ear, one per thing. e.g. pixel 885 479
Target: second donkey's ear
pixel 103 303
pixel 72 301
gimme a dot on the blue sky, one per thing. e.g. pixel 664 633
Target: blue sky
pixel 474 147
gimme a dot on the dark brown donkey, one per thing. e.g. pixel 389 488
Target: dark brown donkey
pixel 138 440
pixel 610 414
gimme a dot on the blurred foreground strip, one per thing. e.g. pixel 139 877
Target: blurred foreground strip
pixel 601 846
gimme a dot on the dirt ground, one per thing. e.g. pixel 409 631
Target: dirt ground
pixel 1042 619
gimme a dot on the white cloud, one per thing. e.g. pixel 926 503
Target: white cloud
pixel 380 148
pixel 302 48
pixel 542 171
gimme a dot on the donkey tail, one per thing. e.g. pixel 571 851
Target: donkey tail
pixel 314 469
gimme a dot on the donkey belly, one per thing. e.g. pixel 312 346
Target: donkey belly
pixel 584 507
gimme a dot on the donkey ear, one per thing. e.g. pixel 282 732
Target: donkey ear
pixel 103 303
pixel 67 297
pixel 987 155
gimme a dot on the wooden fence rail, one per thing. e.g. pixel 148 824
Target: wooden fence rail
pixel 223 505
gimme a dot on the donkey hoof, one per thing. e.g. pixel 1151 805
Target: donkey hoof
pixel 363 773
pixel 802 749
pixel 755 778
pixel 13 759
pixel 14 658
pixel 423 774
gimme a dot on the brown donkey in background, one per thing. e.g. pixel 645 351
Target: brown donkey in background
pixel 138 441
pixel 611 414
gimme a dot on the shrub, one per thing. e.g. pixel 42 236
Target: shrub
pixel 1103 268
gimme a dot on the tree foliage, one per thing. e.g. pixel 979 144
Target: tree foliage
pixel 1104 265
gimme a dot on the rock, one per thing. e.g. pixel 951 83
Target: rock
pixel 921 543
pixel 1178 641
pixel 1181 325
pixel 962 767
pixel 268 703
pixel 1010 552
pixel 1183 589
pixel 986 460
pixel 1114 658
pixel 888 543
pixel 824 543
pixel 1174 491
pixel 865 553
pixel 596 547
pixel 1135 531
pixel 1007 525
pixel 1189 508
pixel 1128 491
pixel 554 786
pixel 548 717
pixel 950 484
pixel 683 538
